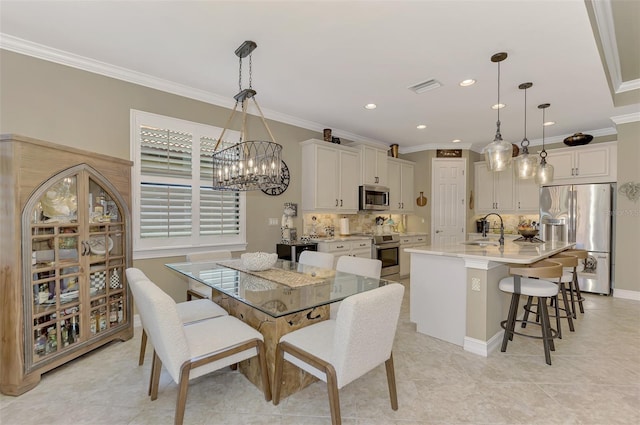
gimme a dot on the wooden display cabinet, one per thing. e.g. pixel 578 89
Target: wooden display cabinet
pixel 64 249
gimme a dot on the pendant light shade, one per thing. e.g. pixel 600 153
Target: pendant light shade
pixel 498 153
pixel 544 174
pixel 525 165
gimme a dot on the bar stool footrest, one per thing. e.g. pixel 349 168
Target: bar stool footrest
pixel 503 324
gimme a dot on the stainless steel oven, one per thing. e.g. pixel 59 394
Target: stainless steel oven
pixel 386 248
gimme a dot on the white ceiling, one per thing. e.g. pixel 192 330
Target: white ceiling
pixel 318 62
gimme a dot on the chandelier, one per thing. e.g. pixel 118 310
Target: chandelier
pixel 248 164
pixel 544 175
pixel 525 165
pixel 498 153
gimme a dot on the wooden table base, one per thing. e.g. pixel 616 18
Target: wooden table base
pixel 294 378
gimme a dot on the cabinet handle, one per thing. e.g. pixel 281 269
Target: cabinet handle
pixel 340 202
pixel 577 171
pixel 340 246
pixel 85 248
pixel 336 202
pixel 377 179
pixel 402 205
pixel 518 204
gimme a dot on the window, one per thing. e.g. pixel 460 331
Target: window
pixel 174 210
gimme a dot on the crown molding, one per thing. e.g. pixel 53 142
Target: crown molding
pixel 627 118
pixel 434 146
pixel 28 48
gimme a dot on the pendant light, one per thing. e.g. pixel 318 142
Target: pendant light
pixel 249 164
pixel 525 165
pixel 544 175
pixel 498 153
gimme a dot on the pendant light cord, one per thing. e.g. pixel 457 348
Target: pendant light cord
pixel 498 134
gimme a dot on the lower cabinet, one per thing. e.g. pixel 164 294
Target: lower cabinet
pixel 409 241
pixel 355 248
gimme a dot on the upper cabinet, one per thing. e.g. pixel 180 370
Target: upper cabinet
pixel 584 164
pixel 330 177
pixel 373 166
pixel 400 185
pixel 527 196
pixel 495 191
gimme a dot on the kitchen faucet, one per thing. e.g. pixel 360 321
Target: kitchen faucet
pixel 484 227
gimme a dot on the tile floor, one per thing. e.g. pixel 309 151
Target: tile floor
pixel 594 379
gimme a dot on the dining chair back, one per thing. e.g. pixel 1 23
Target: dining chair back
pixel 192 350
pixel 342 350
pixel 189 311
pixel 367 267
pixel 323 260
pixel 197 289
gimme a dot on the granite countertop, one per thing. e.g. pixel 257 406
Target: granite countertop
pixel 511 252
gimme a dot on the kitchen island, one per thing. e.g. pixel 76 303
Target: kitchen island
pixel 454 288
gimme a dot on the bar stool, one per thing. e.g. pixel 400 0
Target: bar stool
pixel 523 282
pixel 574 288
pixel 568 262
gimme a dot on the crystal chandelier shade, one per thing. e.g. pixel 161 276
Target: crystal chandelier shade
pixel 544 174
pixel 249 164
pixel 525 164
pixel 498 153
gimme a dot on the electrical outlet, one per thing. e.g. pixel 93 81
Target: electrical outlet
pixel 475 284
pixel 272 221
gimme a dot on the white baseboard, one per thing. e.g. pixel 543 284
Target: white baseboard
pixel 483 348
pixel 626 294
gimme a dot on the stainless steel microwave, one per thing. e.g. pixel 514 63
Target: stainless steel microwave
pixel 374 198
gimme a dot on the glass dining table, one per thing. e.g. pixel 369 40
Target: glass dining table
pixel 286 297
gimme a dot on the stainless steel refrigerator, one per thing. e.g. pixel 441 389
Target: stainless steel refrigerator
pixel 582 213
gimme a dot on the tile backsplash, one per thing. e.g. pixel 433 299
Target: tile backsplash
pixel 511 221
pixel 358 223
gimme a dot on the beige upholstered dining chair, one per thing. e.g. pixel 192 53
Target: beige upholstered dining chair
pixel 189 311
pixel 317 259
pixel 195 349
pixel 340 351
pixel 368 267
pixel 197 289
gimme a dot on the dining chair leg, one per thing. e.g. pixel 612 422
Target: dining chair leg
pixel 183 388
pixel 334 398
pixel 262 358
pixel 153 365
pixel 155 375
pixel 277 374
pixel 391 381
pixel 143 347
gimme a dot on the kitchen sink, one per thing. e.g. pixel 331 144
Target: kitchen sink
pixel 482 242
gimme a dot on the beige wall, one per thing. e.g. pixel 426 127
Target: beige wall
pixel 72 107
pixel 627 258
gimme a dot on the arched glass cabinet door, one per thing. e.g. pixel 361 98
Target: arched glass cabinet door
pixel 74 250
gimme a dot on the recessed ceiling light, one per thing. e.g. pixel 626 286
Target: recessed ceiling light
pixel 498 106
pixel 466 83
pixel 421 126
pixel 548 123
pixel 456 141
pixel 370 106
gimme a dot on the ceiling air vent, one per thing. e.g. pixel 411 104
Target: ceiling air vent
pixel 425 86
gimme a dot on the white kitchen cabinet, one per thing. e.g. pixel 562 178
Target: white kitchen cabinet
pixel 400 185
pixel 584 164
pixel 495 191
pixel 373 166
pixel 355 248
pixel 527 196
pixel 330 177
pixel 409 241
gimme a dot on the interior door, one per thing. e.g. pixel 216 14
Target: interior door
pixel 448 188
